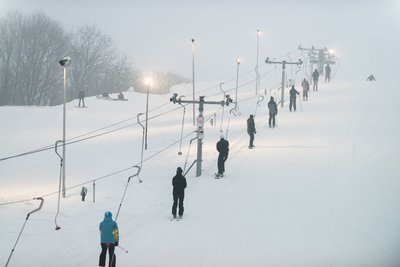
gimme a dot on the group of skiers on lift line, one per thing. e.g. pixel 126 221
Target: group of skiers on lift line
pixel 109 228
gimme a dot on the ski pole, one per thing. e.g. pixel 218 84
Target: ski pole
pixel 121 248
pixel 20 233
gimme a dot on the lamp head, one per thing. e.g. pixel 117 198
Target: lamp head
pixel 65 61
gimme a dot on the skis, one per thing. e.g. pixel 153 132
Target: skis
pixel 218 176
pixel 176 218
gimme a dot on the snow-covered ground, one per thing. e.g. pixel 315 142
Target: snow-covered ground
pixel 321 189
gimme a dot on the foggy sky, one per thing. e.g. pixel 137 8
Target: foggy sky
pixel 156 34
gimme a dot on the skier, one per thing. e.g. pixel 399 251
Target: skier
pixel 179 184
pixel 327 73
pixel 273 111
pixel 315 76
pixel 251 130
pixel 223 149
pixel 293 92
pixel 121 96
pixel 109 238
pixel 371 78
pixel 81 97
pixel 306 87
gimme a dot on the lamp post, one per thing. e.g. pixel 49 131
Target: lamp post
pixel 257 74
pixel 194 108
pixel 148 84
pixel 64 62
pixel 237 80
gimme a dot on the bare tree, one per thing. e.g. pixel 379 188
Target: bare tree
pixel 30 48
pixel 93 55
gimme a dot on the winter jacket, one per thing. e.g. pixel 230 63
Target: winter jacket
pixel 179 184
pixel 305 85
pixel 273 109
pixel 327 70
pixel 223 147
pixel 293 92
pixel 108 231
pixel 315 75
pixel 251 127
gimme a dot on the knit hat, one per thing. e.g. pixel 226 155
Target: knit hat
pixel 179 170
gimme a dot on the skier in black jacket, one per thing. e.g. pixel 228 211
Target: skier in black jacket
pixel 179 184
pixel 327 73
pixel 251 130
pixel 315 76
pixel 293 94
pixel 223 149
pixel 273 111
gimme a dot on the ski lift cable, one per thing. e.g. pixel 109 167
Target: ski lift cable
pixel 102 177
pixel 52 146
pixel 99 178
pixel 45 148
pixel 83 139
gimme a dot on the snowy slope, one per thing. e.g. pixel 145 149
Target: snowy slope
pixel 321 189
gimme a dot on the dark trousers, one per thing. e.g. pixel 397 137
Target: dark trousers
pixel 111 255
pixel 305 95
pixel 221 163
pixel 83 102
pixel 271 119
pixel 178 198
pixel 292 103
pixel 327 77
pixel 315 85
pixel 251 138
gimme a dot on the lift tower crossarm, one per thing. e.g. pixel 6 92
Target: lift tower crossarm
pixel 200 122
pixel 283 63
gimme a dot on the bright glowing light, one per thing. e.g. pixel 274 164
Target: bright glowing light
pixel 331 51
pixel 148 82
pixel 238 61
pixel 258 33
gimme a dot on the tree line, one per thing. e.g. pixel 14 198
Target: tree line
pixel 30 48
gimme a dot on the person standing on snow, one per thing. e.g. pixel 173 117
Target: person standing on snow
pixel 273 111
pixel 315 76
pixel 293 95
pixel 109 238
pixel 327 73
pixel 179 184
pixel 223 149
pixel 306 88
pixel 81 96
pixel 251 130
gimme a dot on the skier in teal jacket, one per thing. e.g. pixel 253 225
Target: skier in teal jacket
pixel 109 238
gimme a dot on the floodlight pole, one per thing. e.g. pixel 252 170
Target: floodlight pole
pixel 283 63
pixel 64 134
pixel 147 114
pixel 200 122
pixel 237 80
pixel 257 74
pixel 194 106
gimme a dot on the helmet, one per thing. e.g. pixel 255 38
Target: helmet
pixel 108 214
